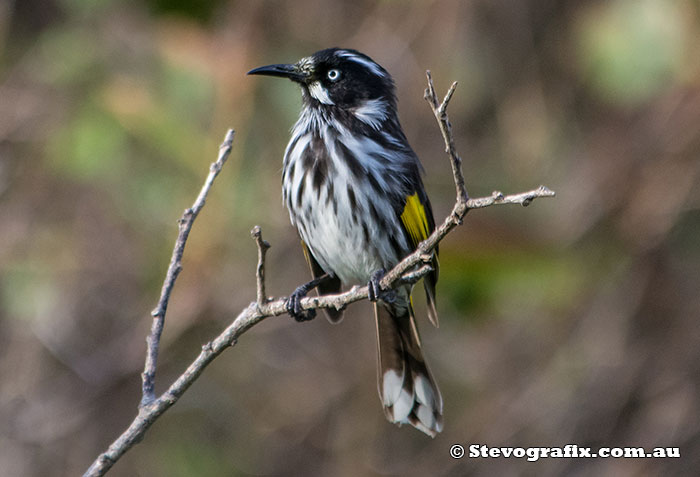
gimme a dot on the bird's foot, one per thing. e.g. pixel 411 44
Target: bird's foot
pixel 293 305
pixel 375 291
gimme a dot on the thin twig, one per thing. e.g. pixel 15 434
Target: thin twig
pixel 260 270
pixel 184 226
pixel 409 270
pixel 440 112
pixel 497 197
pixel 412 277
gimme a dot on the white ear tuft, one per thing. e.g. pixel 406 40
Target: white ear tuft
pixel 372 112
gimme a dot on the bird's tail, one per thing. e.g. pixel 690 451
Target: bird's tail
pixel 406 387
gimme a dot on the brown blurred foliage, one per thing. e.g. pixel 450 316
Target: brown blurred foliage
pixel 572 321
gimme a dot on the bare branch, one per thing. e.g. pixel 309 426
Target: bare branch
pixel 408 271
pixel 184 227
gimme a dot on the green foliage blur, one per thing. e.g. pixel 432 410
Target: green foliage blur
pixel 572 321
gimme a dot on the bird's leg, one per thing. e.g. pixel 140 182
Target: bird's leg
pixel 293 303
pixel 374 290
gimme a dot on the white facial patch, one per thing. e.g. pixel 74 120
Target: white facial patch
pixel 372 112
pixel 318 92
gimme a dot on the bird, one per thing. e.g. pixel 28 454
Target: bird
pixel 352 185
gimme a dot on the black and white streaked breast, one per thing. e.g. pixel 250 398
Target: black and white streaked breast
pixel 334 182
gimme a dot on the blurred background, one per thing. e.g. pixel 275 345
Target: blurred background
pixel 573 321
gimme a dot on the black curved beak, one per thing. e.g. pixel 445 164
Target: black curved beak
pixel 293 72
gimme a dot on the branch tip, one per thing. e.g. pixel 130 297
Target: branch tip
pixel 430 95
pixel 261 295
pixel 448 96
pixel 544 191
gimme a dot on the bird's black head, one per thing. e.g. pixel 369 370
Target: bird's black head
pixel 337 77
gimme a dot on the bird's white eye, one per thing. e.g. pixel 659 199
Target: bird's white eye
pixel 333 75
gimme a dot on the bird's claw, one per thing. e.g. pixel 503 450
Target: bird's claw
pixel 293 305
pixel 375 291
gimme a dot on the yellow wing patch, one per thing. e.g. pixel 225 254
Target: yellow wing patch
pixel 415 220
pixel 306 252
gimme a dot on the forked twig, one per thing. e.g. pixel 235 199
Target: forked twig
pixel 184 226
